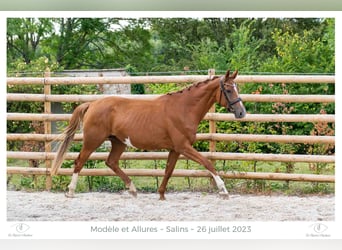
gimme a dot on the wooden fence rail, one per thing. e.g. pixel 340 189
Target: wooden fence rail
pixel 245 97
pixel 212 136
pixel 165 79
pixel 199 137
pixel 208 116
pixel 180 173
pixel 163 156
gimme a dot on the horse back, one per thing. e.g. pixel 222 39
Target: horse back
pixel 142 123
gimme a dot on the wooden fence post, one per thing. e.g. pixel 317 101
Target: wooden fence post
pixel 212 123
pixel 47 129
pixel 212 127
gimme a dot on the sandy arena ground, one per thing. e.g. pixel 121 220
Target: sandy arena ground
pixel 185 206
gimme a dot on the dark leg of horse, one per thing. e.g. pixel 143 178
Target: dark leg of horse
pixel 170 166
pixel 113 162
pixel 89 146
pixel 192 154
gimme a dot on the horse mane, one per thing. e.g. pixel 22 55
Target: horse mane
pixel 196 85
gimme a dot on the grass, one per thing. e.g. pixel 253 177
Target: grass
pixel 150 184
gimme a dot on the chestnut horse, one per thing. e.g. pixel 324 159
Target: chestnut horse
pixel 167 122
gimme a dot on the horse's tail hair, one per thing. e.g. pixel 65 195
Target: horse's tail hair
pixel 68 136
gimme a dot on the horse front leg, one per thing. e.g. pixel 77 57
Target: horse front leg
pixel 220 185
pixel 192 154
pixel 170 166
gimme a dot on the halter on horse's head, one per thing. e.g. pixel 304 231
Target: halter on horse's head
pixel 230 91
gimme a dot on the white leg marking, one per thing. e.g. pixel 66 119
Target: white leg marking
pixel 220 184
pixel 132 188
pixel 72 186
pixel 129 143
pixel 73 182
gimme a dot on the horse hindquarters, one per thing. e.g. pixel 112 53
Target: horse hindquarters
pixel 92 139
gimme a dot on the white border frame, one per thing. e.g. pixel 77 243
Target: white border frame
pixel 82 230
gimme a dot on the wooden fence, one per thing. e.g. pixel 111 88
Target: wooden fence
pixel 212 137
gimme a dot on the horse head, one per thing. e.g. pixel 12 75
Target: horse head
pixel 231 100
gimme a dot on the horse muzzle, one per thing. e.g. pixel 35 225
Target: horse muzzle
pixel 240 113
pixel 238 110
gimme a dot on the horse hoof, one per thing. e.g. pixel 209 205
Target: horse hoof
pixel 68 195
pixel 224 196
pixel 133 193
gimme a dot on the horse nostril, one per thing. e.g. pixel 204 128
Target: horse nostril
pixel 242 114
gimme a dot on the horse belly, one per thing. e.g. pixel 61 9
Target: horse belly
pixel 146 139
pixel 140 124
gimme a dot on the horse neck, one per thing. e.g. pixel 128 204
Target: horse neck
pixel 200 99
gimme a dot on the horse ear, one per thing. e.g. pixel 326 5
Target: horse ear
pixel 235 74
pixel 227 74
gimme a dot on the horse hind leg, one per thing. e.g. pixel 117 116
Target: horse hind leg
pixel 83 156
pixel 72 186
pixel 79 162
pixel 113 162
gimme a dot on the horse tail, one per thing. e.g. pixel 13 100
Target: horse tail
pixel 68 136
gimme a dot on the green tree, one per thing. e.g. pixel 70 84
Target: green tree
pixel 76 42
pixel 80 42
pixel 23 38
